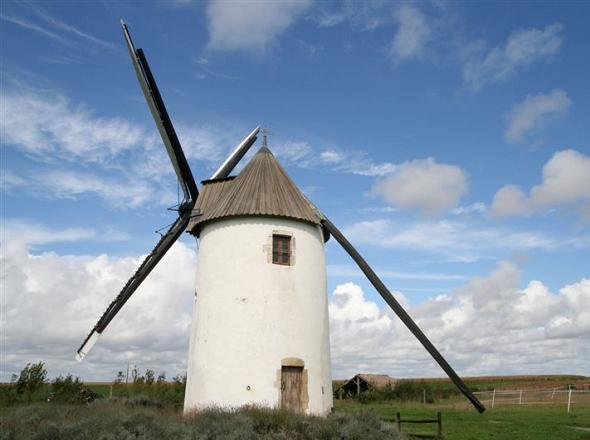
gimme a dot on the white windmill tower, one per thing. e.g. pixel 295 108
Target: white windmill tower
pixel 260 329
pixel 260 332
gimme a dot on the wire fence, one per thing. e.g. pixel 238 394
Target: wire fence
pixel 553 396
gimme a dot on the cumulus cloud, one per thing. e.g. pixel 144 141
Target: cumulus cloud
pixel 412 34
pixel 534 111
pixel 522 49
pixel 252 25
pixel 52 301
pixel 488 326
pixel 565 183
pixel 423 185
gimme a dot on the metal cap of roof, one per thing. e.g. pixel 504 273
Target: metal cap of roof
pixel 263 188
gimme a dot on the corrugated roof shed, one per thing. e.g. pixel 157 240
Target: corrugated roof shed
pixel 262 188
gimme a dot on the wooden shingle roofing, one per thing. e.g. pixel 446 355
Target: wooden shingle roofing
pixel 263 188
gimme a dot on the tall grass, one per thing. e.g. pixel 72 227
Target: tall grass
pixel 106 420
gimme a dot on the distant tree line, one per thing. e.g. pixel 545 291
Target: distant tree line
pixel 146 389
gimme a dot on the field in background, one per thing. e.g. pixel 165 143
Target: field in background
pixel 504 423
pixel 525 407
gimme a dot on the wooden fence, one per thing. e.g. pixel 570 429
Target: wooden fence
pixel 438 421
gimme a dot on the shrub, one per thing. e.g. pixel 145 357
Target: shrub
pixel 110 420
pixel 68 389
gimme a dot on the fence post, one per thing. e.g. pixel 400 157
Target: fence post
pixel 424 396
pixel 520 398
pixel 569 400
pixel 553 393
pixel 493 397
pixel 111 395
pixel 439 419
pixel 398 420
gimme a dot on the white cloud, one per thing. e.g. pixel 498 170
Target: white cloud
pixel 66 27
pixel 488 326
pixel 303 154
pixel 477 207
pixel 331 156
pixel 455 240
pixel 129 163
pixel 364 16
pixel 330 19
pixel 34 233
pixel 353 271
pixel 119 193
pixel 57 28
pixel 295 152
pixel 10 180
pixel 534 111
pixel 423 185
pixel 509 201
pixel 52 302
pixel 522 49
pixel 34 27
pixel 51 127
pixel 412 34
pixel 566 182
pixel 250 25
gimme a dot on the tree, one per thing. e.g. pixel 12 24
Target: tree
pixel 32 378
pixel 161 377
pixel 149 376
pixel 120 377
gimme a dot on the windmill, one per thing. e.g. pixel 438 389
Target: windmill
pixel 260 331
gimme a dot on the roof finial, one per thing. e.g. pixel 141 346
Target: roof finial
pixel 265 131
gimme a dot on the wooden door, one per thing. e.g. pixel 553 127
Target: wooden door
pixel 292 389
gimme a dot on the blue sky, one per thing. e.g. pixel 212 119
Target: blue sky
pixel 448 140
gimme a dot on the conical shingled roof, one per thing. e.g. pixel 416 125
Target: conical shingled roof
pixel 263 188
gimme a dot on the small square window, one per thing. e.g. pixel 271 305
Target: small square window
pixel 281 249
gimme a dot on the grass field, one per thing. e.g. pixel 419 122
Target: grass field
pixel 502 423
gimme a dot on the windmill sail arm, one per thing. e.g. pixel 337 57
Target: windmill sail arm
pixel 229 164
pixel 161 118
pixel 134 282
pixel 401 313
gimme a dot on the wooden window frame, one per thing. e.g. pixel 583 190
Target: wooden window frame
pixel 278 253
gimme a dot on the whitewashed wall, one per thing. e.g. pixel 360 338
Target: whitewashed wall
pixel 250 314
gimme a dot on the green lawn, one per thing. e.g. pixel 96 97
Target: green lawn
pixel 501 423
